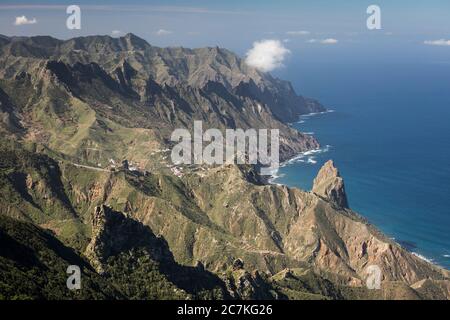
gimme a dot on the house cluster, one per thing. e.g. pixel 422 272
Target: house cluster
pixel 124 165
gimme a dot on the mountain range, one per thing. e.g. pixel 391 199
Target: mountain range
pixel 85 179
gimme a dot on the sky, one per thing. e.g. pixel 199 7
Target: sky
pixel 329 30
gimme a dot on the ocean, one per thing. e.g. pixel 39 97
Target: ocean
pixel 389 136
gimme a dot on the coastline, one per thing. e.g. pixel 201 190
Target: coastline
pixel 307 157
pixel 300 156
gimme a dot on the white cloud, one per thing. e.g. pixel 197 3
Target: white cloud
pixel 163 32
pixel 117 33
pixel 440 42
pixel 22 20
pixel 324 41
pixel 298 33
pixel 329 41
pixel 266 55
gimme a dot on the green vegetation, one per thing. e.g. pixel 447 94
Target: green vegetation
pixel 70 114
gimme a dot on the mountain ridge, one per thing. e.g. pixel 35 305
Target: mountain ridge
pixel 137 91
pixel 177 64
pixel 84 164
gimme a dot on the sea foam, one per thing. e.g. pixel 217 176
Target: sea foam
pixel 422 257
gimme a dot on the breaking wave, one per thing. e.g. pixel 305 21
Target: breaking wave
pixel 422 257
pixel 306 157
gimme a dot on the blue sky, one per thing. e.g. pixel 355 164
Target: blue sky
pixel 234 24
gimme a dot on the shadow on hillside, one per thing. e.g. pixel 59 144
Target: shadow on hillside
pixel 123 235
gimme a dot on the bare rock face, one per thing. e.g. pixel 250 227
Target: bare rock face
pixel 329 185
pixel 433 289
pixel 99 249
pixel 113 232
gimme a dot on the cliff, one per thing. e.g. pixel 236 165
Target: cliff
pixel 124 223
pixel 72 110
pixel 329 185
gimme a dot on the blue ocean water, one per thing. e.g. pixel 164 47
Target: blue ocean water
pixel 389 135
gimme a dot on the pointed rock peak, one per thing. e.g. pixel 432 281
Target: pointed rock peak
pixel 134 40
pixel 329 185
pixel 132 36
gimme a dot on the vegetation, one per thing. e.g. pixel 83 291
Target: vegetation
pixel 70 114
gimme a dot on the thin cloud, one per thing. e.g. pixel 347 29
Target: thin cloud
pixel 324 41
pixel 163 32
pixel 128 8
pixel 267 55
pixel 23 20
pixel 117 33
pixel 440 42
pixel 329 41
pixel 298 33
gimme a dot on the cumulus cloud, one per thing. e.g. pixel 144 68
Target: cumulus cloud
pixel 23 20
pixel 440 42
pixel 163 32
pixel 324 41
pixel 117 33
pixel 266 55
pixel 298 33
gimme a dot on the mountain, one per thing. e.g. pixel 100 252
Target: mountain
pixel 330 185
pixel 73 110
pixel 74 95
pixel 132 61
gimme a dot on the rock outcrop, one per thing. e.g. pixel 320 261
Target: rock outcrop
pixel 111 233
pixel 329 185
pixel 213 232
pixel 129 254
pixel 267 228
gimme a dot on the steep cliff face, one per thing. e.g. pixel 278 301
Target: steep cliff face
pixel 160 224
pixel 294 225
pixel 118 242
pixel 329 185
pixel 90 103
pixel 133 62
pixel 70 112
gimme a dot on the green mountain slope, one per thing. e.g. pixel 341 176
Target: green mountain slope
pixel 72 110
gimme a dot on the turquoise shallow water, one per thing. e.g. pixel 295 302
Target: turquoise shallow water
pixel 389 135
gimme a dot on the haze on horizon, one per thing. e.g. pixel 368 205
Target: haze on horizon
pixel 301 25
